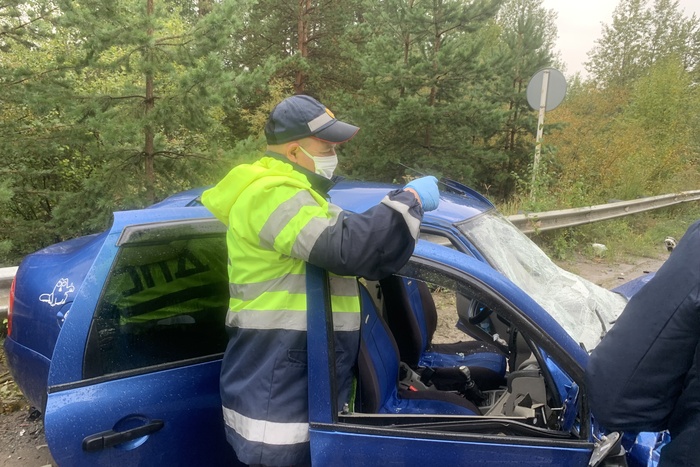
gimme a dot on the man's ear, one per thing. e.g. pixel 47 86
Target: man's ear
pixel 290 151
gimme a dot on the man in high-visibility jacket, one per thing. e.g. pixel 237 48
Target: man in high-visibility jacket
pixel 279 219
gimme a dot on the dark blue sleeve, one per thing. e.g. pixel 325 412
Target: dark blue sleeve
pixel 636 374
pixel 372 244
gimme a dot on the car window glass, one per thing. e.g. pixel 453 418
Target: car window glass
pixel 164 301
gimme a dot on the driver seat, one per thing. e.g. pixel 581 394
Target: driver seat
pixel 412 317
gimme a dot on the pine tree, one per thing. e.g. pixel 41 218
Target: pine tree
pixel 526 43
pixel 123 106
pixel 301 46
pixel 425 102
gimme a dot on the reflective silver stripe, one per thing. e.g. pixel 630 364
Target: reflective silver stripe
pixel 291 320
pixel 348 321
pixel 281 216
pixel 341 286
pixel 264 431
pixel 319 121
pixel 334 210
pixel 308 236
pixel 292 283
pixel 413 223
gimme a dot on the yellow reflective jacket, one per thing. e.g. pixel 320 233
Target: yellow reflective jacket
pixel 278 220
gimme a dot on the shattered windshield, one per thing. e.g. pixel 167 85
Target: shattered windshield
pixel 585 310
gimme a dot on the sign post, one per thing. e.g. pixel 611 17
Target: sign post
pixel 545 91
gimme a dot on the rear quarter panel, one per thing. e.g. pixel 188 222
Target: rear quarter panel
pixel 45 286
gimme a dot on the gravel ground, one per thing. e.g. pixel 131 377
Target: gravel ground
pixel 22 442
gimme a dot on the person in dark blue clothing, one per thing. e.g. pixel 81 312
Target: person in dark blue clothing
pixel 643 376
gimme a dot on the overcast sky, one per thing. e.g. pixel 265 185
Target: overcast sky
pixel 579 24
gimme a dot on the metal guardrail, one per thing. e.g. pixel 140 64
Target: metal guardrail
pixel 6 276
pixel 528 223
pixel 551 220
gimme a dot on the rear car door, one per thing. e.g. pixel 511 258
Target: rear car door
pixel 134 377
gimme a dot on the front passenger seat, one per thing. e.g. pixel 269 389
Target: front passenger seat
pixel 378 368
pixel 412 318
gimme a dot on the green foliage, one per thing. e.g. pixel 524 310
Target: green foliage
pixel 632 236
pixel 120 106
pixel 433 95
pixel 624 143
pixel 109 105
pixel 640 35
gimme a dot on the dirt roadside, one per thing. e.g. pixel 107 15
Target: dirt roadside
pixel 22 442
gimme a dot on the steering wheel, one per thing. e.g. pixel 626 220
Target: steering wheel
pixel 479 313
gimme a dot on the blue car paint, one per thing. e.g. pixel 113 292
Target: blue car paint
pixel 39 369
pixel 322 404
pixel 36 324
pixel 628 289
pixel 373 448
pixel 30 370
pixel 193 421
pixel 70 413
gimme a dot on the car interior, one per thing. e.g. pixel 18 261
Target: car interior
pixel 493 371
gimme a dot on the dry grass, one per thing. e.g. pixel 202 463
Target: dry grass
pixel 11 398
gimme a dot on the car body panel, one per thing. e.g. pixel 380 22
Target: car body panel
pixel 628 289
pixel 30 371
pixel 75 412
pixel 45 287
pixel 420 449
pixel 78 408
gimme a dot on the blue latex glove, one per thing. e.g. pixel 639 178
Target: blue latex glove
pixel 427 190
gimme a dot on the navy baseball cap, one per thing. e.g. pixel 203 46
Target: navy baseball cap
pixel 302 116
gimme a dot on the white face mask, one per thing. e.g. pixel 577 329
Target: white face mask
pixel 323 165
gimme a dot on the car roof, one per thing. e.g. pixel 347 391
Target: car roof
pixel 457 202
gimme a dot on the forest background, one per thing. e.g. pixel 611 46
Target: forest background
pixel 110 105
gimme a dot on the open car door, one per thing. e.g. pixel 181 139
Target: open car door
pixel 536 417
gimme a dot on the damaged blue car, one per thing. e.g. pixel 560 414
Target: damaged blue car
pixel 117 338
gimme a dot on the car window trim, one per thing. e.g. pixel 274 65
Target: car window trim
pixel 454 240
pixel 144 233
pixel 394 431
pixel 134 372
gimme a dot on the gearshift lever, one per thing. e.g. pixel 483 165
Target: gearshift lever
pixel 471 391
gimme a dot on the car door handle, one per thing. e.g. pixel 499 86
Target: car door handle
pixel 111 438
